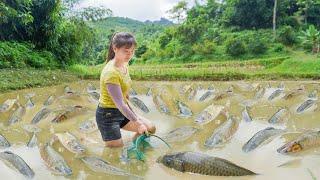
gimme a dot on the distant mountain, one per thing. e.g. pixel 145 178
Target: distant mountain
pixel 162 21
pixel 143 30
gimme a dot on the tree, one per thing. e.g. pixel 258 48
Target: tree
pixel 178 11
pixel 249 14
pixel 274 18
pixel 93 13
pixel 311 36
pixel 15 16
pixel 305 7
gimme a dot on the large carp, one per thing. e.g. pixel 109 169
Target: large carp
pixel 202 164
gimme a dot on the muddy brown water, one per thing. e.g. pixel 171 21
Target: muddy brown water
pixel 264 160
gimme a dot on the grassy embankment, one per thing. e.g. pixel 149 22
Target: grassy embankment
pixel 297 66
pixel 13 79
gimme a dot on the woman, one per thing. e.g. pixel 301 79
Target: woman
pixel 113 111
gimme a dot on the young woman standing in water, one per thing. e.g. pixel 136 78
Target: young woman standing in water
pixel 113 111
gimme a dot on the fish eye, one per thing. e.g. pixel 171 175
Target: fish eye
pixel 296 147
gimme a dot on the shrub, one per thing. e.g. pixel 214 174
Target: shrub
pixel 20 55
pixel 287 36
pixel 278 47
pixel 235 47
pixel 205 48
pixel 257 46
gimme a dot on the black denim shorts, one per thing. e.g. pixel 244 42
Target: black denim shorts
pixel 109 121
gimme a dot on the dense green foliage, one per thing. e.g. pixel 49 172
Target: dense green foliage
pixel 52 34
pixel 235 29
pixel 42 25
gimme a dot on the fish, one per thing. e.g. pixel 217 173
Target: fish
pixel 223 133
pixel 280 116
pixel 68 112
pixel 206 95
pixel 33 141
pixel 7 105
pixel 49 101
pixel 211 88
pixel 43 113
pixel 97 164
pixel 209 114
pixel 230 89
pixel 180 134
pixel 54 161
pixel 95 95
pixel 260 137
pixel 191 93
pixel 68 90
pixel 305 141
pixel 163 108
pixel 139 104
pixel 260 92
pixel 281 85
pixel 306 105
pixel 184 110
pixel 275 94
pixel 223 94
pixel 245 115
pixel 183 89
pixel 4 143
pixel 132 92
pixel 313 94
pixel 17 115
pixel 13 160
pixel 199 163
pixel 88 126
pixel 31 128
pixel 91 87
pixel 294 93
pixel 29 104
pixel 149 92
pixel 70 142
pixel 245 86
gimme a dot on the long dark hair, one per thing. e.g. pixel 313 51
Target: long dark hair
pixel 119 40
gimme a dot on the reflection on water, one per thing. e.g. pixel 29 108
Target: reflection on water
pixel 264 160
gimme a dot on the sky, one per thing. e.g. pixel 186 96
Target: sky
pixel 141 10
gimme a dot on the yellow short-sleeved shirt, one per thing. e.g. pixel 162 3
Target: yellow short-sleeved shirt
pixel 110 74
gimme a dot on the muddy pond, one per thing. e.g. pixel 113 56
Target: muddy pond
pixel 188 115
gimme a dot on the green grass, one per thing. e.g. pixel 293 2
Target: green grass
pixel 12 79
pixel 86 72
pixel 298 66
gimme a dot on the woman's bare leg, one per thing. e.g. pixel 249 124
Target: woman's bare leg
pixel 114 143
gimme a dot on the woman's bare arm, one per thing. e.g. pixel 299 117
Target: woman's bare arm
pixel 117 97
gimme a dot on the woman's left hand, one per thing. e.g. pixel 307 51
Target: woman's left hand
pixel 142 128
